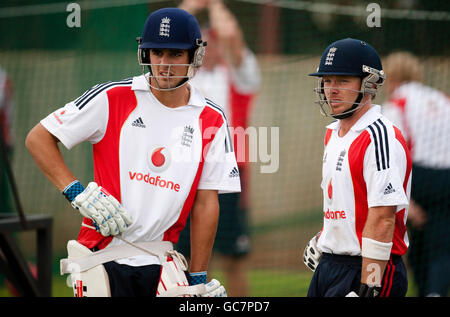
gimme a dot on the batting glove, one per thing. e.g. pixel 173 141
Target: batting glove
pixel 214 289
pixel 366 291
pixel 312 255
pixel 96 203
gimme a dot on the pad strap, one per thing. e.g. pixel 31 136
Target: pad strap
pixel 192 290
pixel 157 248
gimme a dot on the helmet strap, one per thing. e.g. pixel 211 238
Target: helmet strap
pixel 348 113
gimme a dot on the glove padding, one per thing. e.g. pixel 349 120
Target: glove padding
pixel 312 255
pixel 105 211
pixel 366 291
pixel 214 289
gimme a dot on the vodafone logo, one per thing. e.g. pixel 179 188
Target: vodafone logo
pixel 158 158
pixel 332 214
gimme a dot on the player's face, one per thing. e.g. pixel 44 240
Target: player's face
pixel 166 68
pixel 341 92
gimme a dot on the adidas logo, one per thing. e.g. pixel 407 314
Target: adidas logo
pixel 138 123
pixel 234 172
pixel 389 189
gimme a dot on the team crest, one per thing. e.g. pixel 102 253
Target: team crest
pixel 164 27
pixel 188 135
pixel 330 56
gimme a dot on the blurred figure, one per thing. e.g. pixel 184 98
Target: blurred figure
pixel 422 114
pixel 6 116
pixel 230 76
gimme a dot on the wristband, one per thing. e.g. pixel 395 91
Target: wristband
pixel 197 278
pixel 376 250
pixel 72 190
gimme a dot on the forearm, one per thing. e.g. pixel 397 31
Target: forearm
pixel 229 33
pixel 43 147
pixel 204 220
pixel 379 228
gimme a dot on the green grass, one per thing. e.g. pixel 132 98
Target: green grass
pixel 274 283
pixel 263 283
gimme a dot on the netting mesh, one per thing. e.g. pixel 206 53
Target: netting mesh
pixel 51 64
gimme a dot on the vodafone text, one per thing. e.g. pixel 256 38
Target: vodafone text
pixel 155 181
pixel 338 214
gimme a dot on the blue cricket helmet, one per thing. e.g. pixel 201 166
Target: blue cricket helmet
pixel 350 57
pixel 347 57
pixel 171 28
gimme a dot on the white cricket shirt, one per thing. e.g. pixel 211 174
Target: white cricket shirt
pixel 370 166
pixel 422 114
pixel 152 158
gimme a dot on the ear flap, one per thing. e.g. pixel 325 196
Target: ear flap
pixel 144 56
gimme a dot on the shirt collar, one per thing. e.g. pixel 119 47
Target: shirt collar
pixel 367 119
pixel 195 99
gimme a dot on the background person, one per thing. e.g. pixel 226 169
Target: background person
pixel 422 113
pixel 230 77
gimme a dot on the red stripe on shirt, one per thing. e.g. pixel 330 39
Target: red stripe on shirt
pixel 356 155
pixel 208 118
pixel 400 103
pixel 122 102
pixel 399 246
pixel 328 136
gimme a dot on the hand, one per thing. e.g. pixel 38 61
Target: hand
pixel 312 255
pixel 107 213
pixel 416 215
pixel 194 6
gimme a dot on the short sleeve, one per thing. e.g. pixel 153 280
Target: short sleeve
pixel 220 170
pixel 79 121
pixel 385 165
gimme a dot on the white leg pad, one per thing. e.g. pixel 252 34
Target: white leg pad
pixel 90 283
